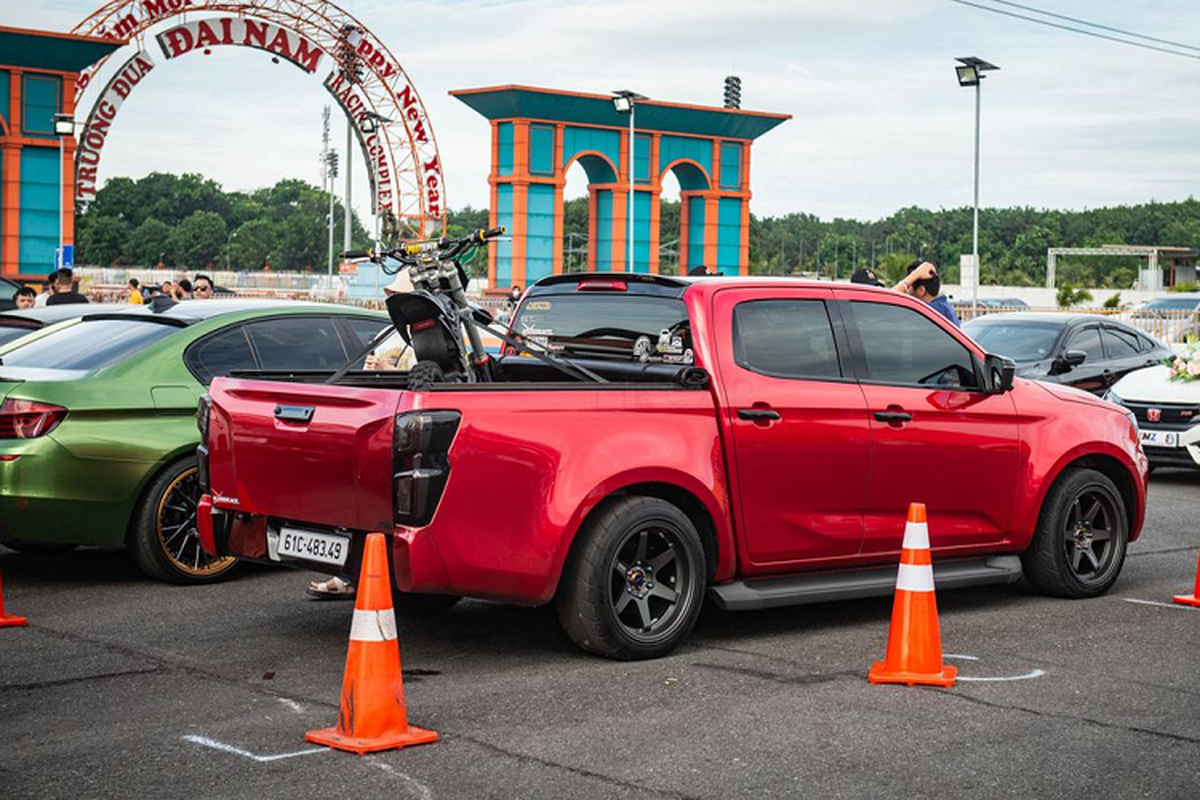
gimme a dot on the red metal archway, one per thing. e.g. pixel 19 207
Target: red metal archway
pixel 368 81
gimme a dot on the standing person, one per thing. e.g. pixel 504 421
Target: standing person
pixel 64 289
pixel 923 283
pixel 26 298
pixel 135 292
pixel 202 287
pixel 168 288
pixel 41 299
pixel 183 289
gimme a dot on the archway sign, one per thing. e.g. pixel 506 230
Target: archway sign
pixel 362 75
pixel 537 134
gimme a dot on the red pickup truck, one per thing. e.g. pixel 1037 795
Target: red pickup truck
pixel 758 440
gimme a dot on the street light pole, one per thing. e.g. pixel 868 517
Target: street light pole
pixel 624 102
pixel 64 126
pixel 632 184
pixel 970 73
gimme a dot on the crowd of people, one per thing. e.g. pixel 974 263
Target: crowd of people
pixel 61 288
pixel 198 288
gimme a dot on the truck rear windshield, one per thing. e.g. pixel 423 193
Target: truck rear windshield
pixel 625 326
pixel 88 345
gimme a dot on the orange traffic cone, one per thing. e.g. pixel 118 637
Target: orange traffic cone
pixel 1192 599
pixel 914 649
pixel 9 620
pixel 372 716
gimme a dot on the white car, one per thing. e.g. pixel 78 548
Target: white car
pixel 1168 415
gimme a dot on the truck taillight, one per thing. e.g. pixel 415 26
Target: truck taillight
pixel 421 463
pixel 28 419
pixel 203 410
pixel 203 407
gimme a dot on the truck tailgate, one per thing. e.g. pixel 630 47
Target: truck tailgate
pixel 320 454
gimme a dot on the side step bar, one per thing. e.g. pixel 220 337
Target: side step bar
pixel 820 587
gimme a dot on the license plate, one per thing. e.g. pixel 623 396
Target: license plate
pixel 1160 438
pixel 326 548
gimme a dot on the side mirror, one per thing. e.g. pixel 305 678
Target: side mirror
pixel 998 373
pixel 1068 361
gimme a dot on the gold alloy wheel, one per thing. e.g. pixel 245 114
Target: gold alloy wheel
pixel 175 530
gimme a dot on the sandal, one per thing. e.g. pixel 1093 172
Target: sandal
pixel 334 588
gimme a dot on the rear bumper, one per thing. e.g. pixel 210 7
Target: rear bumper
pixel 416 565
pixel 50 496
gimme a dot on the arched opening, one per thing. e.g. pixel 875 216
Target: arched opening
pixel 682 217
pixel 583 206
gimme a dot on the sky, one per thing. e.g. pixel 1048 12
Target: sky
pixel 879 121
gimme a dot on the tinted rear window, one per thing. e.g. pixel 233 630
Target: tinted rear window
pixel 88 345
pixel 606 325
pixel 1023 341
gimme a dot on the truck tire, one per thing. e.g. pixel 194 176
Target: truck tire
pixel 424 376
pixel 634 583
pixel 1081 538
pixel 163 539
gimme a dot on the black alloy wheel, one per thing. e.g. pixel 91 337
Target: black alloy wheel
pixel 1082 535
pixel 165 542
pixel 634 583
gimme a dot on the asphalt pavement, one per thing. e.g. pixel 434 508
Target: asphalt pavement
pixel 122 687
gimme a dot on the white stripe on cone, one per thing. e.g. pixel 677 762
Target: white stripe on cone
pixel 916 536
pixel 373 626
pixel 915 578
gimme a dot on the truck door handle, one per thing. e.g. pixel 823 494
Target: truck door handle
pixel 757 414
pixel 893 416
pixel 294 413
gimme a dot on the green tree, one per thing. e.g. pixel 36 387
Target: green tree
pixel 102 240
pixel 199 239
pixel 148 242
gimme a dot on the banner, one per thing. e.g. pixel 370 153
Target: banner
pixel 99 123
pixel 242 32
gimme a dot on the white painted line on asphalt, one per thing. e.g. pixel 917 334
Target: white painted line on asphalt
pixel 292 704
pixel 1154 603
pixel 1037 673
pixel 416 788
pixel 213 744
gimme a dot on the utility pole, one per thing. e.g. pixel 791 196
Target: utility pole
pixel 328 173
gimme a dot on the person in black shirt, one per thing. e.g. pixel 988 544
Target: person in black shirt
pixel 64 289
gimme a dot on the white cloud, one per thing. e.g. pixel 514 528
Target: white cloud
pixel 879 122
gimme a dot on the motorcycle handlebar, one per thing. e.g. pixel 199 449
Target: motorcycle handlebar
pixel 357 254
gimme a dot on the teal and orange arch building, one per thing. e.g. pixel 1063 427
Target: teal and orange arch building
pixel 38 73
pixel 539 134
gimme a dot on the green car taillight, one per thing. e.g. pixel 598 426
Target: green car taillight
pixel 28 419
pixel 421 463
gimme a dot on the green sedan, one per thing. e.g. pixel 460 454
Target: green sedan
pixel 98 418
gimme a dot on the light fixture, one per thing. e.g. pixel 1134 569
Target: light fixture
pixel 970 73
pixel 64 125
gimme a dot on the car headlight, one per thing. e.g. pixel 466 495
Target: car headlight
pixel 1113 397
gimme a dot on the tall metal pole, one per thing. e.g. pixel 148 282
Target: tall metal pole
pixel 62 211
pixel 975 225
pixel 632 111
pixel 346 204
pixel 332 180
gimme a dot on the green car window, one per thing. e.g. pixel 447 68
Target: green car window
pixel 89 345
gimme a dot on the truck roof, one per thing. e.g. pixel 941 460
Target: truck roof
pixel 673 285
